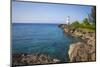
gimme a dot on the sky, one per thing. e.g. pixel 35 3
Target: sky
pixel 32 12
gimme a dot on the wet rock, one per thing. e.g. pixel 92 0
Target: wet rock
pixel 56 60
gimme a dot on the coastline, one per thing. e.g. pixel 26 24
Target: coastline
pixel 81 51
pixel 30 59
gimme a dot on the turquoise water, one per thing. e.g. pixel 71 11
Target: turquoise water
pixel 40 38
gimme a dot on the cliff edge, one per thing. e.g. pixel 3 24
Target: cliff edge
pixel 84 50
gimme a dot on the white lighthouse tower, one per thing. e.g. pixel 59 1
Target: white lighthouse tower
pixel 68 20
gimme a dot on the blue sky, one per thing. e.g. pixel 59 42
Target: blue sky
pixel 28 12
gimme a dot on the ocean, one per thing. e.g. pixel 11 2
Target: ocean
pixel 41 38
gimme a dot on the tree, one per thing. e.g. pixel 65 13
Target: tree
pixel 92 15
pixel 75 24
pixel 85 21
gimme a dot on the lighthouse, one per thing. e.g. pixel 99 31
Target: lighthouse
pixel 68 20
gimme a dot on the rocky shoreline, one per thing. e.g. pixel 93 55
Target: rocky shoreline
pixel 81 51
pixel 30 59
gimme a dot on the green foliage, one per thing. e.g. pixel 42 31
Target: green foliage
pixel 88 23
pixel 85 21
pixel 84 25
pixel 75 24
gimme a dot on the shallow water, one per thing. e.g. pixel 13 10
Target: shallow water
pixel 41 38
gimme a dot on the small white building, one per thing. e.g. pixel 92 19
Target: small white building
pixel 68 20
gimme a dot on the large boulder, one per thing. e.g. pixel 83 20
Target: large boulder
pixel 81 52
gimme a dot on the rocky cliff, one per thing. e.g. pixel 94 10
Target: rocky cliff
pixel 81 51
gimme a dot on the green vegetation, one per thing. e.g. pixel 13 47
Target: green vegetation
pixel 83 25
pixel 88 23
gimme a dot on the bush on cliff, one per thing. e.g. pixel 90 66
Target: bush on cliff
pixel 75 24
pixel 85 24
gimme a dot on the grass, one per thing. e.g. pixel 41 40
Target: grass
pixel 83 26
